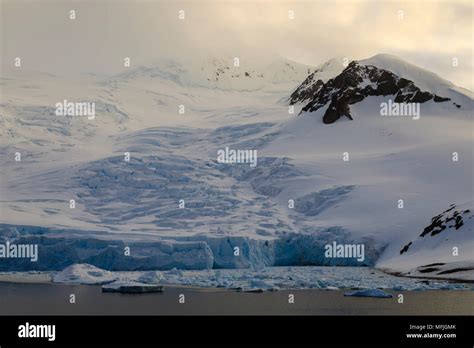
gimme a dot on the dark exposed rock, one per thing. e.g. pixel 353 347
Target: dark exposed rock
pixel 434 264
pixel 336 110
pixel 439 99
pixel 440 222
pixel 353 85
pixel 428 270
pixel 306 90
pixel 455 270
pixel 405 248
pixel 447 220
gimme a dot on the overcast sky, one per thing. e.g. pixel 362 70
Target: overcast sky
pixel 427 33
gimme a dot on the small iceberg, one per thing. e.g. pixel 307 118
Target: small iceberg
pixel 261 284
pixel 84 274
pixel 369 293
pixel 131 287
pixel 253 290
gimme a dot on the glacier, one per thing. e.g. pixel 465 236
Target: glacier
pixel 227 209
pixel 58 249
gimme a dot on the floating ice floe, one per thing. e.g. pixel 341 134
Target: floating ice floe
pixel 131 287
pixel 369 293
pixel 270 279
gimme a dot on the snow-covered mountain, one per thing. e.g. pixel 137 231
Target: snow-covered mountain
pixel 228 74
pixel 136 203
pixel 408 158
pixel 381 75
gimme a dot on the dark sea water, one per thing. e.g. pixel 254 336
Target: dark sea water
pixel 53 299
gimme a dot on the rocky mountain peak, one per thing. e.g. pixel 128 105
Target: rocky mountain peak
pixel 355 83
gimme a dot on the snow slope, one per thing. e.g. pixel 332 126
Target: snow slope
pixel 444 249
pixel 426 80
pixel 390 158
pixel 229 73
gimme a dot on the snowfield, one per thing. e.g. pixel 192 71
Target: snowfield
pixel 175 206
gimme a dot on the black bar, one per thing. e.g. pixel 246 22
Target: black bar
pixel 210 330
